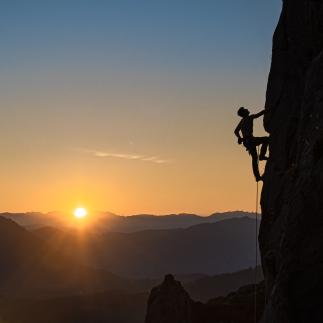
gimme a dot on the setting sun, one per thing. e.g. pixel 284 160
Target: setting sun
pixel 80 213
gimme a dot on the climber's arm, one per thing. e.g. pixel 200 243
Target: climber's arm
pixel 237 133
pixel 237 130
pixel 259 114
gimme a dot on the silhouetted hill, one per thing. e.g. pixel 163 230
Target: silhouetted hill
pixel 206 288
pixel 59 261
pixel 34 219
pixel 170 303
pixel 170 221
pixel 54 275
pixel 118 307
pixel 109 307
pixel 210 248
pixel 116 223
pixel 17 247
pixel 29 267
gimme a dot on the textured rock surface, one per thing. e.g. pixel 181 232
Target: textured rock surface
pixel 291 233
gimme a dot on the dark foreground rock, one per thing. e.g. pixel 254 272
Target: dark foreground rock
pixel 291 233
pixel 170 303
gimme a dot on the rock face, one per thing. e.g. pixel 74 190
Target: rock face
pixel 291 233
pixel 169 303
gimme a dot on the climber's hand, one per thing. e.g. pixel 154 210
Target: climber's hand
pixel 240 141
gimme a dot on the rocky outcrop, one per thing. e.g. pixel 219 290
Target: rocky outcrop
pixel 170 303
pixel 291 233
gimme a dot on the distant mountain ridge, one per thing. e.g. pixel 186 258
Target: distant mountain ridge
pixel 28 267
pixel 204 249
pixel 205 288
pixel 107 221
pixel 207 248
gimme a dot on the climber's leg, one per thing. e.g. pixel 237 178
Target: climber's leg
pixel 264 142
pixel 264 147
pixel 255 166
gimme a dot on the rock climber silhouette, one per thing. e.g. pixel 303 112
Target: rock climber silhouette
pixel 245 128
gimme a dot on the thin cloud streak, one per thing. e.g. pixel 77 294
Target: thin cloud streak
pixel 103 154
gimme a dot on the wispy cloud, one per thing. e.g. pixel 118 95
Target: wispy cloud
pixel 104 154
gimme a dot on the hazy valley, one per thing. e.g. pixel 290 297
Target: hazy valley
pixel 59 268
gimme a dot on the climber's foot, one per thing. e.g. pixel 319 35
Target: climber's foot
pixel 263 158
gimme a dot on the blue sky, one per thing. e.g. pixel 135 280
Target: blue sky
pixel 157 79
pixel 171 34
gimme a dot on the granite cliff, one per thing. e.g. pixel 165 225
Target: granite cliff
pixel 291 239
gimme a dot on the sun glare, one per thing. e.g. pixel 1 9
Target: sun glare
pixel 80 213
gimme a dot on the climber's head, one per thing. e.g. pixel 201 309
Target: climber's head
pixel 243 112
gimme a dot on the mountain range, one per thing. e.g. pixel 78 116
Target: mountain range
pixel 48 273
pixel 54 255
pixel 210 248
pixel 109 222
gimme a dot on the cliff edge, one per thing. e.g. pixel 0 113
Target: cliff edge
pixel 291 233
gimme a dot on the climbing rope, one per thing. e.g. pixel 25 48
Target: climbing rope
pixel 256 256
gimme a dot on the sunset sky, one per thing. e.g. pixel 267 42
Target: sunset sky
pixel 129 106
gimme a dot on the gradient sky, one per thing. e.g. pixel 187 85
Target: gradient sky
pixel 129 105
